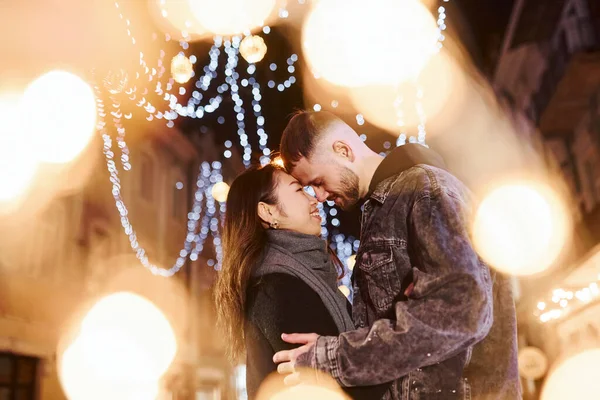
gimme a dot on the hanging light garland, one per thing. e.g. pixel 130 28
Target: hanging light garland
pixel 206 215
pixel 399 103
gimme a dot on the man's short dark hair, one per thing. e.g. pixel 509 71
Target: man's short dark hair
pixel 302 134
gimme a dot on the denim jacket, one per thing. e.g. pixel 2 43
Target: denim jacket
pixel 430 315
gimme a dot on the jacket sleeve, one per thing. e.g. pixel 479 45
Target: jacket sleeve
pixel 449 309
pixel 289 305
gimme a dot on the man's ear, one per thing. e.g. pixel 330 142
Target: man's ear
pixel 343 149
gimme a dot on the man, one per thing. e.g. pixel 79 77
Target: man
pixel 430 315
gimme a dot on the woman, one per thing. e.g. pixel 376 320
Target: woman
pixel 278 275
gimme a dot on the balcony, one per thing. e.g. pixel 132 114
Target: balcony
pixel 570 80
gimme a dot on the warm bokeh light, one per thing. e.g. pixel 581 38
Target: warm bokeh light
pixel 220 191
pixel 278 161
pixel 174 17
pixel 351 262
pixel 124 346
pixel 441 82
pixel 17 160
pixel 182 68
pixel 303 392
pixel 134 317
pixel 228 17
pixel 578 377
pixel 344 289
pixel 520 228
pixel 253 48
pixel 81 381
pixel 354 42
pixel 533 363
pixel 61 116
pixel 315 385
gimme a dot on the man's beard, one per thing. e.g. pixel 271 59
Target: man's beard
pixel 348 194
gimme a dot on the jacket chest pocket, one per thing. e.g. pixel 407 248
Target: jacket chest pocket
pixel 376 261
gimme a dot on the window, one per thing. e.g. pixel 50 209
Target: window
pixel 18 376
pixel 147 181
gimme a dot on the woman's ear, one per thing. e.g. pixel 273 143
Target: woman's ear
pixel 266 212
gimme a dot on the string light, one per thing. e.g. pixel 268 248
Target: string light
pixel 290 80
pixel 180 109
pixel 441 23
pixel 206 180
pixel 182 68
pixel 253 48
pixel 399 102
pixel 400 119
pixel 563 301
pixel 360 120
pixel 422 117
pixel 232 49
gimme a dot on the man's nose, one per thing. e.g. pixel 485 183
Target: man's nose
pixel 321 195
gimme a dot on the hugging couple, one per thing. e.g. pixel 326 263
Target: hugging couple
pixel 429 319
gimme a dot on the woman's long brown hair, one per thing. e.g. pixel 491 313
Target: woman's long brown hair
pixel 244 239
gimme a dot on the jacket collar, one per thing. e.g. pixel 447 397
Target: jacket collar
pixel 397 161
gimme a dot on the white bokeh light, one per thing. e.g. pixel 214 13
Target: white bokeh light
pixel 61 116
pixel 228 17
pixel 353 42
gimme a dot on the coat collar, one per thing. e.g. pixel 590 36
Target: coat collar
pixel 397 161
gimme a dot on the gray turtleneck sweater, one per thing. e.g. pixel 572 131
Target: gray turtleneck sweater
pixel 293 290
pixel 306 257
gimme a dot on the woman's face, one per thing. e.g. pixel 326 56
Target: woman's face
pixel 297 209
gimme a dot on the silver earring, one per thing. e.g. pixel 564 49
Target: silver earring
pixel 274 224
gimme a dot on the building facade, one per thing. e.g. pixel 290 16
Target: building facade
pixel 550 68
pixel 59 259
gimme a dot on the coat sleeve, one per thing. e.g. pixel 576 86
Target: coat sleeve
pixel 449 309
pixel 288 305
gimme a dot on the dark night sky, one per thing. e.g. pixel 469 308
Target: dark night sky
pixel 488 20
